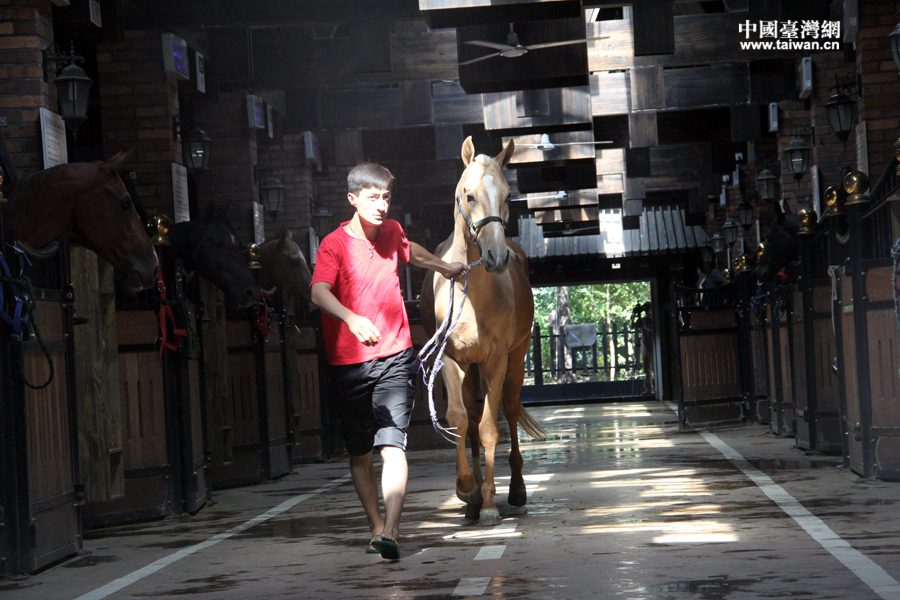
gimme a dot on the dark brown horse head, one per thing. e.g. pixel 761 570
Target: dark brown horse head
pixel 210 247
pixel 781 248
pixel 88 204
pixel 284 266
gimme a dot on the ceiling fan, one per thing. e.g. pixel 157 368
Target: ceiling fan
pixel 513 48
pixel 545 145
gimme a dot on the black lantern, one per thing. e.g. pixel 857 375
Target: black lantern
pixel 321 218
pixel 718 243
pixel 272 195
pixel 195 149
pixel 73 86
pixel 729 229
pixel 765 183
pixel 895 45
pixel 797 157
pixel 745 214
pixel 841 108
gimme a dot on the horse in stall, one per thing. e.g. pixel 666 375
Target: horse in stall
pixel 209 246
pixel 284 267
pixel 88 204
pixel 487 347
pixel 779 255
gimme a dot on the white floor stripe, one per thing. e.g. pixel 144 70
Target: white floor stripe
pixel 471 586
pixel 491 552
pixel 157 565
pixel 874 576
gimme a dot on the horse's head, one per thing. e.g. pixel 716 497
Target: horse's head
pixel 482 207
pixel 284 266
pixel 210 247
pixel 111 226
pixel 781 249
pixel 88 204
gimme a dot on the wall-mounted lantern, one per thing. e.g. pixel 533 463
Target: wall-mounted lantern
pixel 718 243
pixel 797 157
pixel 841 108
pixel 195 148
pixel 72 85
pixel 744 214
pixel 271 192
pixel 765 184
pixel 321 218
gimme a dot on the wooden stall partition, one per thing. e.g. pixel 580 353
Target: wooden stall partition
pixel 311 438
pixel 147 483
pixel 100 415
pixel 803 396
pixel 883 335
pixel 824 380
pixel 710 368
pixel 421 431
pixel 54 495
pixel 230 367
pixel 41 494
pixel 848 370
pixel 781 399
pixel 274 390
pixel 759 407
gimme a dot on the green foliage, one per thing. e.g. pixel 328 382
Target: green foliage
pixel 598 303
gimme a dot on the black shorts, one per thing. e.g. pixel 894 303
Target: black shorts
pixel 374 401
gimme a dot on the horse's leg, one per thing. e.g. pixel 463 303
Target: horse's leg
pixel 512 408
pixel 470 395
pixel 466 488
pixel 493 375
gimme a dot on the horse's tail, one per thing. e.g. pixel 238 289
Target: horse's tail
pixel 531 426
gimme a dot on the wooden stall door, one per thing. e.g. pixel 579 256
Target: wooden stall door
pixel 781 396
pixel 849 375
pixel 803 400
pixel 277 414
pixel 828 412
pixel 710 369
pixel 760 395
pixel 311 439
pixel 884 371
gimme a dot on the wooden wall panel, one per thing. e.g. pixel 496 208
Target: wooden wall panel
pixel 611 93
pixel 709 85
pixel 647 88
pixel 710 366
pixel 451 104
pixel 568 105
pixel 377 108
pixel 643 130
pixel 654 27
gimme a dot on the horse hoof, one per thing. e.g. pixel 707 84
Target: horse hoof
pixel 472 512
pixel 515 511
pixel 489 516
pixel 517 496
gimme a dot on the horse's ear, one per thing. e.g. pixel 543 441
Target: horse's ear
pixel 468 151
pixel 506 154
pixel 287 234
pixel 114 163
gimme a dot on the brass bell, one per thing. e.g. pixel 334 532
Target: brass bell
pixel 808 219
pixel 834 201
pixel 856 183
pixel 741 264
pixel 157 228
pixel 760 250
pixel 251 254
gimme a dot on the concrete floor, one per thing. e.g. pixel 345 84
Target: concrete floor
pixel 621 505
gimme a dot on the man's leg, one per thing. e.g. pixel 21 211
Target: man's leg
pixel 363 474
pixel 393 487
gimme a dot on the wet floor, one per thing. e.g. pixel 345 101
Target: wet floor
pixel 621 505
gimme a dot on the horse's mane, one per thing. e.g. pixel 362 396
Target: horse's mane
pixel 65 176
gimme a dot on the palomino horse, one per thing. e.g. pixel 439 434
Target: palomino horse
pixel 88 204
pixel 284 267
pixel 209 246
pixel 486 349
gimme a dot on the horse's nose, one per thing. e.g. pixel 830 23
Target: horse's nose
pixel 496 262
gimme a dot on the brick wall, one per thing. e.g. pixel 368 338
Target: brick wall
pixel 829 154
pixel 285 159
pixel 231 178
pixel 139 101
pixel 880 82
pixel 26 29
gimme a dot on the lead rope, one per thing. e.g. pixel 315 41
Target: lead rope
pixel 434 347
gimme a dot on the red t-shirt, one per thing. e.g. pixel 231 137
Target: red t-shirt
pixel 364 278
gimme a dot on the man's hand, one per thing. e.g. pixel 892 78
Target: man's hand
pixel 364 330
pixel 453 269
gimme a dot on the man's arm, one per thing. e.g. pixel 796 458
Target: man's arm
pixel 364 330
pixel 420 257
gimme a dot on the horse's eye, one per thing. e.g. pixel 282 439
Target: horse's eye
pixel 470 197
pixel 126 203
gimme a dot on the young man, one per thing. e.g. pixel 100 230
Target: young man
pixel 368 343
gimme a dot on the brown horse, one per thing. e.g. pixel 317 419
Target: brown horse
pixel 284 267
pixel 486 349
pixel 88 204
